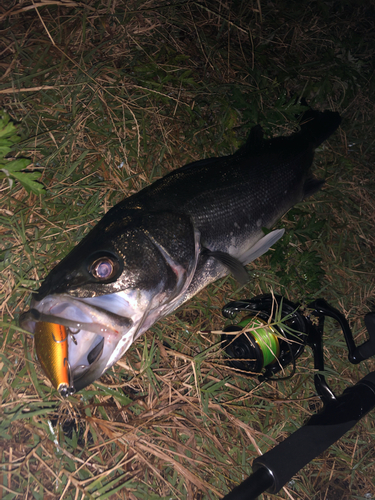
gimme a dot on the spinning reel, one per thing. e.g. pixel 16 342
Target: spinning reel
pixel 271 336
pixel 275 334
pixel 277 331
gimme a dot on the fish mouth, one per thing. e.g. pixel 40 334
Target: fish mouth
pixel 93 333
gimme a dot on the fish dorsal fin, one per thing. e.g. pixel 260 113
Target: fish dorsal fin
pixel 254 142
pixel 231 263
pixel 255 137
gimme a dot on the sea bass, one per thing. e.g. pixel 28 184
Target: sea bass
pixel 157 248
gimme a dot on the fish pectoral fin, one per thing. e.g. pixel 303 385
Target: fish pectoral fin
pixel 231 263
pixel 262 246
pixel 236 266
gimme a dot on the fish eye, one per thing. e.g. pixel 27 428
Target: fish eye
pixel 104 268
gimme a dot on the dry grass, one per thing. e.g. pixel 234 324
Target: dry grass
pixel 111 96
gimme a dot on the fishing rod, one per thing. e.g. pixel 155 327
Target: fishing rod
pixel 277 332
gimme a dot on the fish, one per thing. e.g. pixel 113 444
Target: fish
pixel 157 248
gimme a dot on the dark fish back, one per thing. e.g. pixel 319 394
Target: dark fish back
pixel 256 185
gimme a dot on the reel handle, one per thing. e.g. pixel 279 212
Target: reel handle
pixel 276 467
pixel 356 354
pixel 367 349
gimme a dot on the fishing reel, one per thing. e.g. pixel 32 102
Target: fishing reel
pixel 274 332
pixel 274 335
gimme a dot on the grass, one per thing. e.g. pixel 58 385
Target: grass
pixel 108 97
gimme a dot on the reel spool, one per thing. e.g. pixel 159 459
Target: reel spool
pixel 275 336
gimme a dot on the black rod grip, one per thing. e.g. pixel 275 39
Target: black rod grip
pixel 321 431
pixel 260 481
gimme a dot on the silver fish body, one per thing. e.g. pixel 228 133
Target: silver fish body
pixel 156 249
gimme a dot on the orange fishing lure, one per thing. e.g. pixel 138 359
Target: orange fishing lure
pixel 51 345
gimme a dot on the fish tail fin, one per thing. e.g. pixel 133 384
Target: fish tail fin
pixel 317 126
